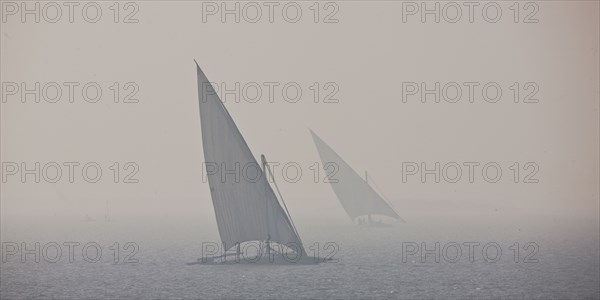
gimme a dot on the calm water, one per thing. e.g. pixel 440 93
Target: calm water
pixel 369 262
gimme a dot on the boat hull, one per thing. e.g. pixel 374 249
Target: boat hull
pixel 262 260
pixel 375 225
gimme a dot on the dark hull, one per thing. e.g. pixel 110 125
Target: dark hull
pixel 374 225
pixel 263 260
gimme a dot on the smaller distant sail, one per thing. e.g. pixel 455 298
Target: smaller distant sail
pixel 355 195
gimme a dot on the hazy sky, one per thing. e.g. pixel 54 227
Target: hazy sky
pixel 366 56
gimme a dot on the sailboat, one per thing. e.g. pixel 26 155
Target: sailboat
pixel 247 210
pixel 358 198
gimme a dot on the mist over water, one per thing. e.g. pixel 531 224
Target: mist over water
pixel 108 198
pixel 369 263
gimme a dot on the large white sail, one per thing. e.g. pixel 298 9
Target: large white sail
pixel 355 195
pixel 246 207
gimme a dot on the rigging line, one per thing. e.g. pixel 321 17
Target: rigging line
pixel 281 197
pixel 384 197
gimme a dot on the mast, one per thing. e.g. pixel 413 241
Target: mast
pixel 267 244
pixel 289 217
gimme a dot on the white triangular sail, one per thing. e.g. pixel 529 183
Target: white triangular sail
pixel 246 207
pixel 355 195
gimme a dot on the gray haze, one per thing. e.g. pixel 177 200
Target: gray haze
pixel 368 54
